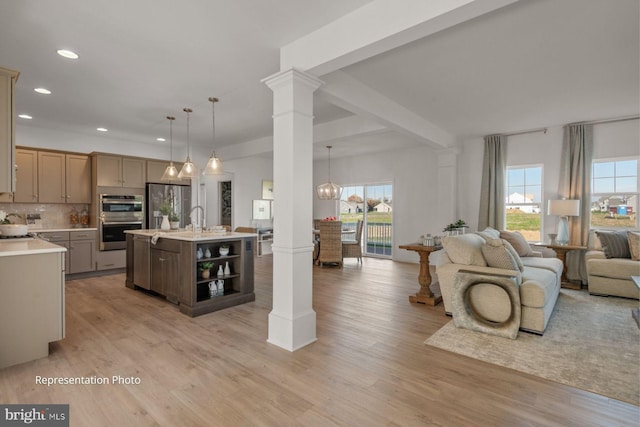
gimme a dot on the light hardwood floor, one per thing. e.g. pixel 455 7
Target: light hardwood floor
pixel 369 366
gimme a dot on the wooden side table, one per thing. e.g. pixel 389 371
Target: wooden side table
pixel 424 295
pixel 561 254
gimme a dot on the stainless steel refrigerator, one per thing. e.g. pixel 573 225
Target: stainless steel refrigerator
pixel 177 196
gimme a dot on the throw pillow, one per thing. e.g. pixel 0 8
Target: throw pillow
pixel 515 255
pixel 489 233
pixel 497 255
pixel 518 242
pixel 634 244
pixel 614 243
pixel 465 249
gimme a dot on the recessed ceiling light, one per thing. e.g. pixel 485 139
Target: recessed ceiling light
pixel 102 129
pixel 43 91
pixel 68 54
pixel 25 116
pixel 160 139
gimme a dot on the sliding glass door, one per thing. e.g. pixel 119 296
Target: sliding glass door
pixel 373 204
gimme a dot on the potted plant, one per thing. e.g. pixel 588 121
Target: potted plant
pixel 174 220
pixel 165 210
pixel 205 269
pixel 456 227
pixel 224 250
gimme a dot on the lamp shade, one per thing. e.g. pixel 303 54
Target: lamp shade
pixel 564 207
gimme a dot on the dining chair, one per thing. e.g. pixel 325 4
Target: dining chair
pixel 353 249
pixel 330 242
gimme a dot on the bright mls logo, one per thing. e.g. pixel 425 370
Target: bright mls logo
pixel 37 415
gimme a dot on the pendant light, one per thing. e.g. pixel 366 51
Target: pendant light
pixel 170 173
pixel 214 165
pixel 189 170
pixel 329 190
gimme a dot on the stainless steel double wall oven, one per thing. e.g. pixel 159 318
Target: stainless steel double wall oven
pixel 118 213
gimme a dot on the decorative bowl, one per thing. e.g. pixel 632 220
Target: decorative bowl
pixel 224 251
pixel 14 229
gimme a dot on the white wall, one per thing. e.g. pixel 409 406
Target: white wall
pixel 413 173
pixel 56 139
pixel 611 140
pixel 247 175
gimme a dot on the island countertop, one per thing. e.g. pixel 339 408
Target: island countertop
pixel 13 247
pixel 190 236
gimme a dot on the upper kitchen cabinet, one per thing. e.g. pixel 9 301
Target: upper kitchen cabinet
pixel 26 176
pixel 117 171
pixel 52 177
pixel 78 171
pixel 156 168
pixel 8 79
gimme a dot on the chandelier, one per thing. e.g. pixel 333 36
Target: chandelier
pixel 329 190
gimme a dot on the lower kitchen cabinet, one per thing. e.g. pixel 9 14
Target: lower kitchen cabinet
pixel 81 249
pixel 165 274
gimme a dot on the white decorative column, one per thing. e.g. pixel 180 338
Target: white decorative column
pixel 292 321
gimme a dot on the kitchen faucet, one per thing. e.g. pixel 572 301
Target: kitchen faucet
pixel 198 224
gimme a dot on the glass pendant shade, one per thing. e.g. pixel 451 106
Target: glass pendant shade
pixel 170 173
pixel 189 170
pixel 329 190
pixel 214 165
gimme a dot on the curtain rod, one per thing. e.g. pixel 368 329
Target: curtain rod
pixel 524 132
pixel 617 119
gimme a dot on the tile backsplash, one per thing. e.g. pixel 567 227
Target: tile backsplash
pixel 51 215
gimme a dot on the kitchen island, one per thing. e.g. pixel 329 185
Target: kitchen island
pixel 171 264
pixel 32 299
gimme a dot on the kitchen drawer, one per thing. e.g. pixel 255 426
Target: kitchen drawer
pixel 167 245
pixel 55 236
pixel 82 235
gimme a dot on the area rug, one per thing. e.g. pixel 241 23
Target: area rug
pixel 591 343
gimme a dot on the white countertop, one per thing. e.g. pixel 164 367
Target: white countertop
pixel 13 247
pixel 191 236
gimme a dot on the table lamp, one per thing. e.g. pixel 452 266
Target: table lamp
pixel 563 208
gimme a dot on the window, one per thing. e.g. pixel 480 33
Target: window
pixel 524 201
pixel 614 193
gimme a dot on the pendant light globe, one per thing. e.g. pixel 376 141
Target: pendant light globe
pixel 170 173
pixel 189 169
pixel 214 165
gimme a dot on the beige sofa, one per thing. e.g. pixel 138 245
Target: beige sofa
pixel 538 282
pixel 610 276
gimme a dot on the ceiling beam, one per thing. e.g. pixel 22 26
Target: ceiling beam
pixel 378 27
pixel 346 92
pixel 323 133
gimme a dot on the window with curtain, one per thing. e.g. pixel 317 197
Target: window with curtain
pixel 524 201
pixel 614 193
